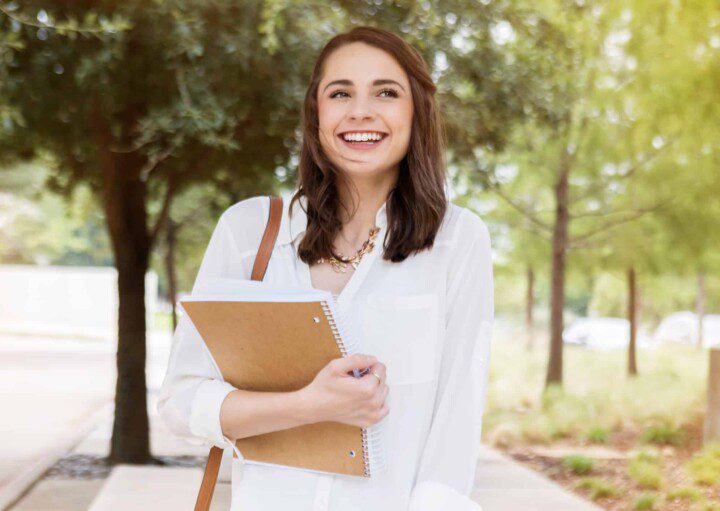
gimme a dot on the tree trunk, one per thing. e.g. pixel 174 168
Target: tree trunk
pixel 632 318
pixel 125 204
pixel 130 438
pixel 557 287
pixel 170 232
pixel 711 430
pixel 700 308
pixel 529 305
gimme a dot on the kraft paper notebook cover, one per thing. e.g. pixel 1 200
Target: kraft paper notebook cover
pixel 276 339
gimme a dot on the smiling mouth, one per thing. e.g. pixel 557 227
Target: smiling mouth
pixel 367 144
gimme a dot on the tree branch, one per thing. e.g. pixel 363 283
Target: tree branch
pixel 613 223
pixel 164 211
pixel 525 227
pixel 600 213
pixel 599 186
pixel 583 245
pixel 524 210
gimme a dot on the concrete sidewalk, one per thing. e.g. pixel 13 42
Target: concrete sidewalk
pixel 501 483
pixel 63 489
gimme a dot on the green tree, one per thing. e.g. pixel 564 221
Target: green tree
pixel 677 87
pixel 571 171
pixel 141 101
pixel 166 95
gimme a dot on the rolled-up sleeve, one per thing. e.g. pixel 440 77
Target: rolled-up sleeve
pixel 193 389
pixel 448 460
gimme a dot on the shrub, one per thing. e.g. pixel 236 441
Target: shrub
pixel 684 493
pixel 537 429
pixel 598 488
pixel 598 435
pixel 645 473
pixel 505 435
pixel 648 456
pixel 664 433
pixel 578 464
pixel 704 467
pixel 645 501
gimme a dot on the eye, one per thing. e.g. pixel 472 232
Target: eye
pixel 393 93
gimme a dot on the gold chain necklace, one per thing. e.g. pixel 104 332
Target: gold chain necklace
pixel 341 265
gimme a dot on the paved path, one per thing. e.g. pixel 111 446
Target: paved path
pixel 65 494
pixel 48 402
pixel 502 484
pixel 45 396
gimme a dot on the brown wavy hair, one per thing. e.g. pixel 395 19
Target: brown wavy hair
pixel 417 204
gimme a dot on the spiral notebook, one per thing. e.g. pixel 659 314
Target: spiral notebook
pixel 275 339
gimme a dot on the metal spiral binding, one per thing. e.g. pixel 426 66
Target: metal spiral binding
pixel 373 454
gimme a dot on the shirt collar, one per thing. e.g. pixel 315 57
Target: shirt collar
pixel 291 228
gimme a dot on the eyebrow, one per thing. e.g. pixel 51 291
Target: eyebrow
pixel 382 81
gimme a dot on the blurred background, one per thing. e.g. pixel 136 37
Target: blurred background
pixel 585 133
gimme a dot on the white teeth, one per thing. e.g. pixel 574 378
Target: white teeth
pixel 361 137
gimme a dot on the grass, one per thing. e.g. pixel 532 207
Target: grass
pixel 645 501
pixel 704 467
pixel 599 404
pixel 684 493
pixel 162 321
pixel 664 433
pixel 597 435
pixel 598 488
pixel 646 473
pixel 597 398
pixel 578 464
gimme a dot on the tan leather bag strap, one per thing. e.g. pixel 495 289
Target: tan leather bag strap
pixel 212 467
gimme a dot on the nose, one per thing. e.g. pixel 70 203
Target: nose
pixel 360 108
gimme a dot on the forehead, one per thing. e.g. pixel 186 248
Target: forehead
pixel 362 64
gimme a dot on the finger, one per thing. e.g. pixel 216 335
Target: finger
pixel 375 376
pixel 379 369
pixel 356 361
pixel 384 410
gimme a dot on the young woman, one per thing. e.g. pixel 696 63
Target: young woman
pixel 371 222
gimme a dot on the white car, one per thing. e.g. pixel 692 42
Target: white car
pixel 602 333
pixel 683 327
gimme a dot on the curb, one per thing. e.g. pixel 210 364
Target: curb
pixel 15 489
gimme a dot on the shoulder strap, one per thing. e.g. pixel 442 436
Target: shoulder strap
pixel 212 467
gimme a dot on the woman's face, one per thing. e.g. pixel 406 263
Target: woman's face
pixel 364 89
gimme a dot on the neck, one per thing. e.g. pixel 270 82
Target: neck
pixel 365 202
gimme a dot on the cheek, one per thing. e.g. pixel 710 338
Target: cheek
pixel 401 118
pixel 329 115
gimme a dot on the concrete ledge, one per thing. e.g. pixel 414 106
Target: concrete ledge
pixel 143 487
pixel 13 490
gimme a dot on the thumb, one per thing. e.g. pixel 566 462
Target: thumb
pixel 356 361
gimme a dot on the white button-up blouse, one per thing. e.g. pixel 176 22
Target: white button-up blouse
pixel 428 319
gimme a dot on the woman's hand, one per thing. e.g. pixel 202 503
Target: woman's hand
pixel 336 395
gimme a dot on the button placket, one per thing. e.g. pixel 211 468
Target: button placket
pixel 322 492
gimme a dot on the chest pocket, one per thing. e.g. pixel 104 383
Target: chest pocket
pixel 402 332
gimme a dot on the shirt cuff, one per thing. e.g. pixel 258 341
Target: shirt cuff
pixel 205 412
pixel 435 496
